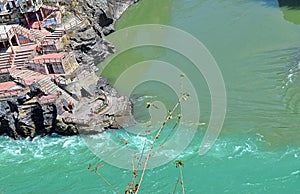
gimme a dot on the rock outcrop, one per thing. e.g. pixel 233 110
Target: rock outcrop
pixel 29 118
pixel 25 116
pixel 87 42
pixel 8 117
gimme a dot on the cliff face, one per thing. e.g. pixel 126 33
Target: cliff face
pixel 31 119
pixel 24 117
pixel 88 43
pixel 28 120
pixel 113 9
pixel 8 119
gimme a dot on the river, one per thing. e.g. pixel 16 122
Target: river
pixel 256 46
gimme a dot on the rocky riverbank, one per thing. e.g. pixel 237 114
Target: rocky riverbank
pixel 31 119
pixel 26 116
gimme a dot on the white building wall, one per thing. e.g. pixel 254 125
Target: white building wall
pixel 17 2
pixel 2 8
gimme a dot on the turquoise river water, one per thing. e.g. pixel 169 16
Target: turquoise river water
pixel 256 44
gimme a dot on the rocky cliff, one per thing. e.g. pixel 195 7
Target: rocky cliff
pixel 31 120
pixel 28 118
pixel 88 42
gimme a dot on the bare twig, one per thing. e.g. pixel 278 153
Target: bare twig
pixel 139 163
pixel 181 180
pixel 90 167
pixel 171 131
pixel 134 187
pixel 180 164
pixel 183 97
pixel 176 185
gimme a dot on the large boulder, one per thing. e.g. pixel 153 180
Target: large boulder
pixel 64 128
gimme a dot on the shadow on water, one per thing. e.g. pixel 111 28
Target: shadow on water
pixel 290 10
pixel 292 4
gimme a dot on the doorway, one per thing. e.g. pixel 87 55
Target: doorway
pixel 50 68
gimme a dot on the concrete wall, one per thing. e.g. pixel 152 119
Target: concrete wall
pixel 70 64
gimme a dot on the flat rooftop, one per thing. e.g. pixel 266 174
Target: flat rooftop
pixel 50 56
pixel 7 85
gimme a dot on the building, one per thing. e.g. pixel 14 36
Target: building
pixel 9 12
pixel 24 12
pixel 30 54
pixel 54 63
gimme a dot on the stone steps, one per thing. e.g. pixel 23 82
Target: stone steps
pixel 54 89
pixel 58 33
pixel 52 37
pixel 4 54
pixel 45 82
pixel 4 66
pixel 37 34
pixel 5 60
pixel 25 32
pixel 24 74
pixel 22 55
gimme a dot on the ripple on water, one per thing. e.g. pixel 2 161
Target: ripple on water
pixel 39 147
pixel 291 84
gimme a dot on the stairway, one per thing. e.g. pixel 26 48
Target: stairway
pixel 22 55
pixel 44 81
pixel 26 33
pixel 58 33
pixel 38 34
pixel 28 44
pixel 25 74
pixel 5 60
pixel 51 88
